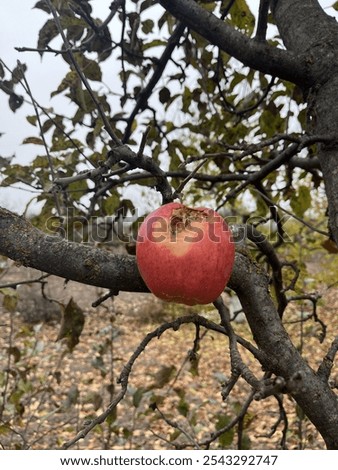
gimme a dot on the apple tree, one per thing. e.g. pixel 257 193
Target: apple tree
pixel 226 104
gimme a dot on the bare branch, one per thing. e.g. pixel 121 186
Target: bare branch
pixel 294 216
pixel 324 369
pixel 175 425
pixel 262 20
pixel 180 187
pixel 15 284
pixel 127 369
pixel 125 154
pixel 278 161
pixel 237 365
pixel 162 62
pixel 50 162
pixel 268 250
pixel 215 435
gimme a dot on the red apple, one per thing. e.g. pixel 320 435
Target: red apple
pixel 185 255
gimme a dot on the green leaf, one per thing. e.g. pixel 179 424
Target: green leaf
pixel 147 26
pixel 183 407
pixel 32 119
pixel 33 140
pixel 77 189
pixel 164 95
pixel 48 32
pixel 5 429
pixel 174 435
pixel 225 439
pixel 15 101
pixel 301 200
pixel 153 43
pixel 61 142
pixel 10 299
pixel 245 442
pixel 71 80
pixel 110 204
pixel 15 173
pixel 91 69
pixel 17 74
pixel 15 352
pixel 71 324
pixel 41 161
pixel 137 397
pixel 47 125
pixel 163 376
pixel 242 18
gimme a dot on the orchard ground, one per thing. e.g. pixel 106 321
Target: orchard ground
pixel 50 393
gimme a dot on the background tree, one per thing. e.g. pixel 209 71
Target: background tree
pixel 210 109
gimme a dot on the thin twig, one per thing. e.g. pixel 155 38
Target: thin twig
pixel 103 298
pixel 49 157
pixel 35 103
pixel 175 425
pixel 215 435
pixel 177 193
pixel 145 93
pixel 143 142
pixel 294 216
pixel 126 371
pixel 268 250
pixel 14 285
pixel 281 159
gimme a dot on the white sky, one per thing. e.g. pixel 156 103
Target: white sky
pixel 19 27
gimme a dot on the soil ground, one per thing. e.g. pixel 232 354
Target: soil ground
pixel 49 393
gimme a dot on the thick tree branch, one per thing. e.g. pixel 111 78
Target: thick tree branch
pixel 250 52
pixel 302 383
pixel 27 245
pixel 306 29
pixel 303 25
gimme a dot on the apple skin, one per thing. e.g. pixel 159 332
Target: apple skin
pixel 185 255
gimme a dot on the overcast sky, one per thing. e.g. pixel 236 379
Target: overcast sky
pixel 20 24
pixel 19 27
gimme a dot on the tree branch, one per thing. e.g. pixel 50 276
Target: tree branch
pixel 160 66
pixel 252 53
pixel 27 245
pixel 262 20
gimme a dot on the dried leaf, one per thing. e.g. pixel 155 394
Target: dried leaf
pixel 15 101
pixel 72 323
pixel 48 32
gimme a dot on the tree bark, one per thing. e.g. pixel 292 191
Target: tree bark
pixel 306 29
pixel 20 241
